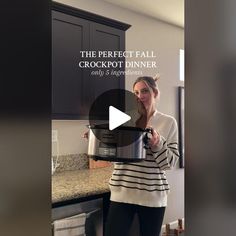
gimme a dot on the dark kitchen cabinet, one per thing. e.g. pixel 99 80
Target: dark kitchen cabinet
pixel 73 88
pixel 69 36
pixel 105 38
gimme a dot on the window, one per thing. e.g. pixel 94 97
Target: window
pixel 181 65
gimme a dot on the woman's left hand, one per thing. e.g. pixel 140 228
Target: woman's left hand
pixel 154 139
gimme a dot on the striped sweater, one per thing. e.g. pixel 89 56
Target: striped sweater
pixel 144 183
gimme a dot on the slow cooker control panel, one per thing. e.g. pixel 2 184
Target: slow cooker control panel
pixel 107 149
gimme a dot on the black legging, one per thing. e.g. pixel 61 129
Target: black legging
pixel 121 215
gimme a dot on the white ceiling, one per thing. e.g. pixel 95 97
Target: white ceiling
pixel 171 11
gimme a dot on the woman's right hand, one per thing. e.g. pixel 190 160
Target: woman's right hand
pixel 85 135
pixel 141 108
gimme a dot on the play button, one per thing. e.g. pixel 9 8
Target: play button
pixel 114 117
pixel 117 118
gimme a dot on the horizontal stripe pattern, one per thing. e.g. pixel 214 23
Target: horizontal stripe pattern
pixel 159 179
pixel 138 183
pixel 144 176
pixel 148 175
pixel 139 177
pixel 139 188
pixel 133 170
pixel 145 183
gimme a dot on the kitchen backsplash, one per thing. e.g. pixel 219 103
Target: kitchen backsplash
pixel 71 162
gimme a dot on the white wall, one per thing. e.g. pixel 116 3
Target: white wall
pixel 146 33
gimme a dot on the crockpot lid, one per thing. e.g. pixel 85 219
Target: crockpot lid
pixel 106 126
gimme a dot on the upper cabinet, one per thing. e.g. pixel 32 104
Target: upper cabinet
pixel 74 88
pixel 69 36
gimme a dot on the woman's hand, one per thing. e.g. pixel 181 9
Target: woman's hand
pixel 141 122
pixel 141 108
pixel 154 139
pixel 85 135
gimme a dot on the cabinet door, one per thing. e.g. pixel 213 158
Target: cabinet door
pixel 70 35
pixel 106 38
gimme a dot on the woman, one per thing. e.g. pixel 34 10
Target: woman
pixel 141 188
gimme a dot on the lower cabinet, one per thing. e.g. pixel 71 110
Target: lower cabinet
pixel 84 218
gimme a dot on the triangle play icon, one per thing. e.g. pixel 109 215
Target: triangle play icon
pixel 117 118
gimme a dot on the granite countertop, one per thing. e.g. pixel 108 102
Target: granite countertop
pixel 69 185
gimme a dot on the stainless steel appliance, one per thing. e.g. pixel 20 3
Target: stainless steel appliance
pixel 123 144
